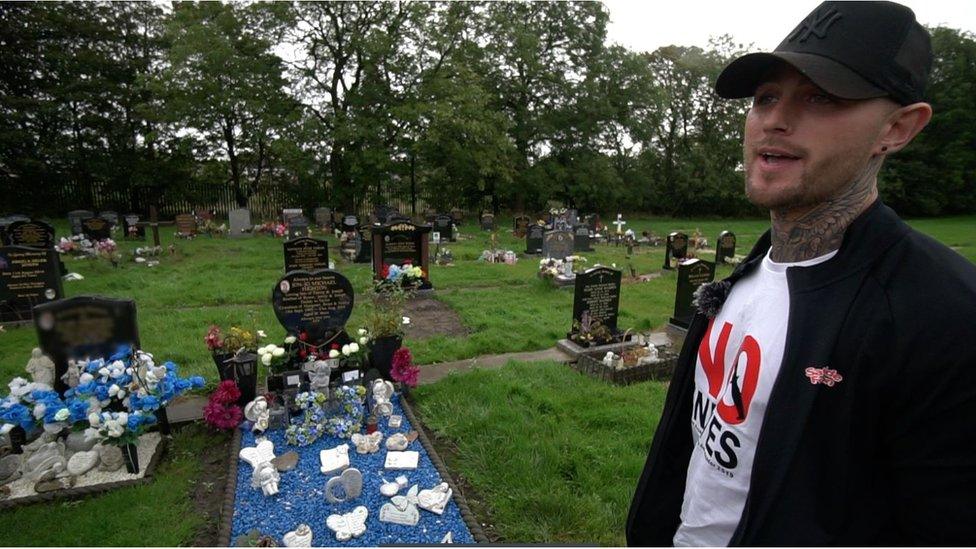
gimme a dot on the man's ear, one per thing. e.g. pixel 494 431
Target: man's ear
pixel 902 126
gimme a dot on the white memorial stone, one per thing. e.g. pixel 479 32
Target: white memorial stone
pixel 397 442
pixel 390 489
pixel 402 460
pixel 350 525
pixel 402 509
pixel 435 499
pixel 351 482
pixel 395 422
pixel 334 459
pixel 299 537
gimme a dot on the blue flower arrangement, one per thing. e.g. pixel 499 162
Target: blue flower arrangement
pixel 316 420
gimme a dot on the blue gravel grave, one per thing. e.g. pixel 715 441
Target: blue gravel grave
pixel 301 496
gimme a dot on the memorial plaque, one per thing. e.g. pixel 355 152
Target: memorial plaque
pixel 323 218
pixel 691 274
pixel 444 224
pixel 400 242
pixel 581 239
pixel 533 239
pixel 289 214
pixel 76 217
pixel 131 227
pixel 28 277
pixel 676 247
pixel 487 222
pixel 240 223
pixel 84 326
pixel 186 225
pixel 350 223
pixel 96 228
pixel 318 303
pixel 726 247
pixel 33 234
pixel 557 244
pixel 597 291
pixel 521 225
pixel 306 254
pixel 297 227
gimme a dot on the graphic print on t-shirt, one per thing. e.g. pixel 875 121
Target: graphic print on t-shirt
pixel 729 397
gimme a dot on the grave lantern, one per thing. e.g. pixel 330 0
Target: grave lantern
pixel 244 366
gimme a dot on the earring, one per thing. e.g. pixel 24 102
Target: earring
pixel 884 149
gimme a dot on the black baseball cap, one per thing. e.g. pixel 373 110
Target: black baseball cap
pixel 853 50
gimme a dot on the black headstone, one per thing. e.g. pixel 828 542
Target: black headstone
pixel 533 239
pixel 318 303
pixel 557 244
pixel 297 227
pixel 75 218
pixel 401 242
pixel 521 225
pixel 131 228
pixel 364 251
pixel 96 228
pixel 110 216
pixel 444 226
pixel 306 254
pixel 597 290
pixel 323 218
pixel 487 222
pixel 33 234
pixel 725 247
pixel 691 274
pixel 581 239
pixel 676 247
pixel 84 327
pixel 28 277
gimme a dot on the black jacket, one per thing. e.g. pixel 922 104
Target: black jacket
pixel 887 456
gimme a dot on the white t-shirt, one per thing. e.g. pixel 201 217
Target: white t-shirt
pixel 738 360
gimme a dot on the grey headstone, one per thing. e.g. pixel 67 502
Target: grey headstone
pixel 557 244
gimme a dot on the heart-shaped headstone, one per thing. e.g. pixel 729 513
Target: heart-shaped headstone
pixel 299 537
pixel 318 303
pixel 350 482
pixel 256 455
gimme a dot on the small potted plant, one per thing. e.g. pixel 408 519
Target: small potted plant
pixel 384 326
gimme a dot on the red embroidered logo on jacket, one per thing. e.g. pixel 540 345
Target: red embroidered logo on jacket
pixel 824 376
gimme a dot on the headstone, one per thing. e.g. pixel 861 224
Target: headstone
pixel 110 216
pixel 557 244
pixel 96 228
pixel 318 303
pixel 131 227
pixel 676 247
pixel 350 223
pixel 290 213
pixel 32 234
pixel 581 239
pixel 240 223
pixel 306 254
pixel 533 239
pixel 75 218
pixel 323 218
pixel 364 239
pixel 521 225
pixel 444 226
pixel 28 277
pixel 597 291
pixel 457 215
pixel 297 227
pixel 691 274
pixel 83 326
pixel 186 225
pixel 725 248
pixel 396 243
pixel 487 222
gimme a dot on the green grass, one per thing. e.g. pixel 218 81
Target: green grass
pixel 554 455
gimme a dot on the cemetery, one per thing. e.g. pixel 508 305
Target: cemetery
pixel 424 280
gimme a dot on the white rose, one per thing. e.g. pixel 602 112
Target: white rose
pixel 362 331
pixel 262 350
pixel 363 340
pixel 290 339
pixel 86 378
pixel 115 430
pixel 62 414
pixel 353 348
pixel 93 419
pixel 346 350
pixel 266 360
pixel 123 418
pixel 278 351
pixel 334 353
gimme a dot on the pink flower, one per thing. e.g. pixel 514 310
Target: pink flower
pixel 403 368
pixel 226 393
pixel 213 338
pixel 221 416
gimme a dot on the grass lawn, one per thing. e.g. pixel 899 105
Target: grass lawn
pixel 552 455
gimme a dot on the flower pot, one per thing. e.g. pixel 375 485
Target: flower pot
pixel 381 354
pixel 17 437
pixel 225 371
pixel 130 454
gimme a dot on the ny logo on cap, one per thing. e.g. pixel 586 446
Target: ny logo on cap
pixel 816 23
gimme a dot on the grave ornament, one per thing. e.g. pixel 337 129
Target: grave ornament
pixel 349 485
pixel 435 499
pixel 299 537
pixel 349 525
pixel 402 509
pixel 41 368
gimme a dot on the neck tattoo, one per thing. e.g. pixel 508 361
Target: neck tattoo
pixel 820 230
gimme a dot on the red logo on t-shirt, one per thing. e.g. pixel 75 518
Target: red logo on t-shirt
pixel 739 382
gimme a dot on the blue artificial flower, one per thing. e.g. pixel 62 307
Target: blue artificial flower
pixel 78 409
pixel 197 382
pixel 123 352
pixel 101 392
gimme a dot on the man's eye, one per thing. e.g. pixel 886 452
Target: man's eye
pixel 821 99
pixel 764 99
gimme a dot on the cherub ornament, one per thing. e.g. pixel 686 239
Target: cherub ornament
pixel 266 477
pixel 435 499
pixel 350 525
pixel 318 376
pixel 367 444
pixel 382 391
pixel 258 412
pixel 41 368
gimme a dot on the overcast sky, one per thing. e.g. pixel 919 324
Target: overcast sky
pixel 644 25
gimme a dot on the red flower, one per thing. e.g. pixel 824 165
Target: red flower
pixel 384 271
pixel 226 392
pixel 302 353
pixel 222 416
pixel 403 368
pixel 303 336
pixel 336 346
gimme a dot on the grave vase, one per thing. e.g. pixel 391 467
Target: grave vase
pixel 225 371
pixel 130 454
pixel 381 354
pixel 17 437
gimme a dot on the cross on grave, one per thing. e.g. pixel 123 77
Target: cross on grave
pixel 154 224
pixel 619 223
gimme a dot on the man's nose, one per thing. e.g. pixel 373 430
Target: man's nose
pixel 779 117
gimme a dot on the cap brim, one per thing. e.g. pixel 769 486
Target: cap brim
pixel 742 76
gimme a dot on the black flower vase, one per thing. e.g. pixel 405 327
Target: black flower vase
pixel 225 371
pixel 381 355
pixel 18 437
pixel 130 453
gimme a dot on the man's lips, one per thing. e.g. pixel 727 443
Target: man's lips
pixel 776 158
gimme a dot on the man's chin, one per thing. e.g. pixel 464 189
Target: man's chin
pixel 774 196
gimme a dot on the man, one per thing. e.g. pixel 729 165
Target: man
pixel 826 391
